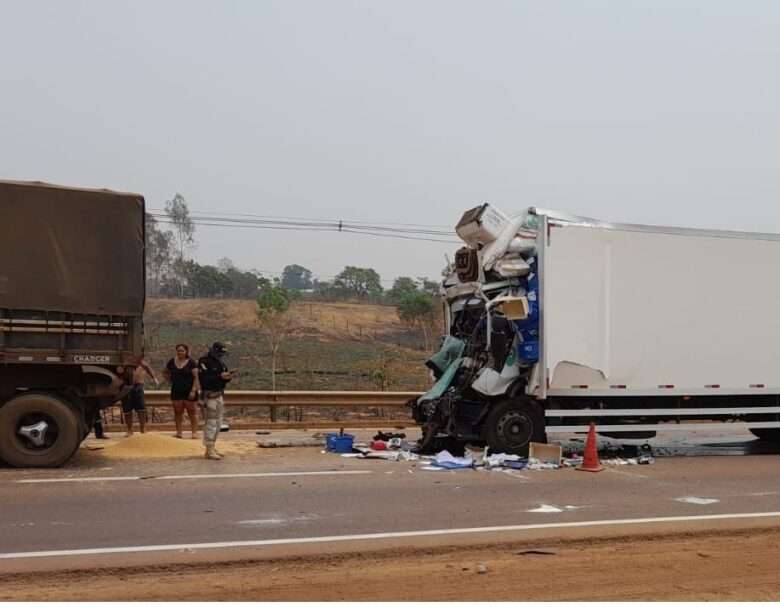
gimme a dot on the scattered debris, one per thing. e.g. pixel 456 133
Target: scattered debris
pixel 535 551
pixel 388 436
pixel 445 459
pixel 479 458
pixel 499 460
pixel 482 568
pixel 271 443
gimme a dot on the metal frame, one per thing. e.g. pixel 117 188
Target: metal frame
pixel 659 412
pixel 542 242
pixel 659 427
pixel 567 218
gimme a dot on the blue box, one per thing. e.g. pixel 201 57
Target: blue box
pixel 528 351
pixel 343 443
pixel 329 438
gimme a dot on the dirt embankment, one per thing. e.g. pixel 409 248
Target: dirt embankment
pixel 739 565
pixel 336 321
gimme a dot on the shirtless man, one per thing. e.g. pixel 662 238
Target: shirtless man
pixel 135 399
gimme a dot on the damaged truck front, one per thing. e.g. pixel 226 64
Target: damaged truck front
pixel 555 321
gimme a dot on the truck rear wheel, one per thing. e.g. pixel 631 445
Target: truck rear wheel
pixel 768 434
pixel 511 426
pixel 38 430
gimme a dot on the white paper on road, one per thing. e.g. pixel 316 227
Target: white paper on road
pixel 445 459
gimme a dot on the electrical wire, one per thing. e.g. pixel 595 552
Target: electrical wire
pixel 375 230
pixel 448 229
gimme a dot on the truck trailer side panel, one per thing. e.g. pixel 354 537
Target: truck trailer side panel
pixel 71 250
pixel 646 311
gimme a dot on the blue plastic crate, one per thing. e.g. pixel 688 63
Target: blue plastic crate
pixel 343 443
pixel 528 351
pixel 329 438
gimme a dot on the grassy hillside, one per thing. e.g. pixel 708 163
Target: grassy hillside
pixel 340 346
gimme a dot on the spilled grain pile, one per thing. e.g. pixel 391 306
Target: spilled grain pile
pixel 153 445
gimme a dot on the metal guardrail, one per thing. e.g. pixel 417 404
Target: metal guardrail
pixel 297 398
pixel 160 399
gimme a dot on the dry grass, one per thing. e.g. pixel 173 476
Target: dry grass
pixel 335 321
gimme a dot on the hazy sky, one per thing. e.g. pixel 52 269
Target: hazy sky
pixel 398 111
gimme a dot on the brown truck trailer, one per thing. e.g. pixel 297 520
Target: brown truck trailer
pixel 71 313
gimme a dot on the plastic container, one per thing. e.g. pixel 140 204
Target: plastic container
pixel 329 438
pixel 343 443
pixel 528 351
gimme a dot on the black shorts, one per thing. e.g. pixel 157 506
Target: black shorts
pixel 134 401
pixel 181 394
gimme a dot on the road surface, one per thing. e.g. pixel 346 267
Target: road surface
pixel 262 509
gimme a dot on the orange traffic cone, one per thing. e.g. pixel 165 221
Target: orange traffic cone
pixel 591 461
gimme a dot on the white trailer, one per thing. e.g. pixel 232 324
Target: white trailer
pixel 637 325
pixel 661 315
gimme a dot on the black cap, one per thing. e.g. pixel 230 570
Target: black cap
pixel 218 347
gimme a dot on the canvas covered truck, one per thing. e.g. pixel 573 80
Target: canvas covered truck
pixel 71 306
pixel 555 321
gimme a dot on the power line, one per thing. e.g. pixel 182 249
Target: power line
pixel 338 224
pixel 448 229
pixel 377 230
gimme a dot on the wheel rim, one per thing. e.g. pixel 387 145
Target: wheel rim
pixel 36 432
pixel 515 429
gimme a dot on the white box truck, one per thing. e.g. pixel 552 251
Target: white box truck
pixel 556 321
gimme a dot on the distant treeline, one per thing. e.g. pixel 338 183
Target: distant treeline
pixel 170 272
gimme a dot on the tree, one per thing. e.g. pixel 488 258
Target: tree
pixel 359 282
pixel 159 254
pixel 275 321
pixel 205 281
pixel 428 286
pixel 419 310
pixel 402 286
pixel 296 277
pixel 183 228
pixel 243 285
pixel 225 264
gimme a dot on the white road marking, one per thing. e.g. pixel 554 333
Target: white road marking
pixel 85 479
pixel 277 520
pixel 79 479
pixel 263 474
pixel 699 501
pixel 546 508
pixel 381 536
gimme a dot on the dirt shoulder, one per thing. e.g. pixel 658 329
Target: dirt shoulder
pixel 731 565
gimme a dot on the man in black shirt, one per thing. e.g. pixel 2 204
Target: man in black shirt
pixel 214 376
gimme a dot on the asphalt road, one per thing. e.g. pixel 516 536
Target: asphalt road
pixel 303 496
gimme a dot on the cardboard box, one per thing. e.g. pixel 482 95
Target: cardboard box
pixel 546 453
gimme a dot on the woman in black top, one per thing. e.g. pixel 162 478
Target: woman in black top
pixel 182 372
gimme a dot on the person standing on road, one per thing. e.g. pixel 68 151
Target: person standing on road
pixel 214 376
pixel 134 401
pixel 182 372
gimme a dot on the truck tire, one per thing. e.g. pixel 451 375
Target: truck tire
pixel 512 425
pixel 38 430
pixel 771 435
